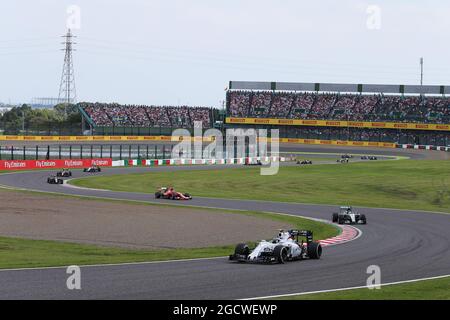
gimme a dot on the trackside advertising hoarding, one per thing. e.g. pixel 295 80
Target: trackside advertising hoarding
pixel 331 123
pixel 53 164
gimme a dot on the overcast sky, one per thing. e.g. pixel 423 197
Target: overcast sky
pixel 185 51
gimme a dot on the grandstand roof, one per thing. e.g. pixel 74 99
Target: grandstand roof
pixel 339 87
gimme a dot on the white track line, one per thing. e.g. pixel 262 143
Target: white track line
pixel 113 264
pixel 345 289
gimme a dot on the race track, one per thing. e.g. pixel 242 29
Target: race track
pixel 405 244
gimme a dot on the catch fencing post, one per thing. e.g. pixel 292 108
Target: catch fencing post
pixel 129 151
pixel 110 151
pixel 101 151
pixel 0 152
pixel 120 151
pixel 92 149
pixel 81 151
pixel 59 152
pixel 12 152
pixel 24 153
pixel 37 152
pixel 70 152
pixel 147 151
pixel 156 151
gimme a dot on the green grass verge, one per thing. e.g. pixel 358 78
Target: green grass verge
pixel 436 289
pixel 25 253
pixel 403 184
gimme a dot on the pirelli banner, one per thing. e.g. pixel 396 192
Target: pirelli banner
pixel 337 142
pixel 103 138
pixel 331 123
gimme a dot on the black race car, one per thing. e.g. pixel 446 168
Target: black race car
pixel 92 169
pixel 65 173
pixel 304 162
pixel 253 163
pixel 54 180
pixel 369 158
pixel 347 215
pixel 346 156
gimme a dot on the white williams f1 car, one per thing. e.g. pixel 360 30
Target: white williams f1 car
pixel 64 173
pixel 347 215
pixel 92 169
pixel 285 247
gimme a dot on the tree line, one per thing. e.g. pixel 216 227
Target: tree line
pixel 26 120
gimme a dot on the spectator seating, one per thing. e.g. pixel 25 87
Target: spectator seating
pixel 333 106
pixel 103 114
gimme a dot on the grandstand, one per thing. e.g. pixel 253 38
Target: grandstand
pixel 339 105
pixel 385 113
pixel 127 119
pixel 354 112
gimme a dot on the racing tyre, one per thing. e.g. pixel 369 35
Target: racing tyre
pixel 314 250
pixel 157 195
pixel 242 249
pixel 363 219
pixel 340 220
pixel 280 253
pixel 60 181
pixel 335 217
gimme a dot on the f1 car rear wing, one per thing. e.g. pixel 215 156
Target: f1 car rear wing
pixel 302 233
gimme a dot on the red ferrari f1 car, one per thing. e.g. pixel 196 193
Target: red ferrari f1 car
pixel 170 193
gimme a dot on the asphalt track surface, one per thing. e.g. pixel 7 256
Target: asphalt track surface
pixel 404 244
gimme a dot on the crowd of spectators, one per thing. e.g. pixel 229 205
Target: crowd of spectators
pixel 361 134
pixel 103 114
pixel 334 106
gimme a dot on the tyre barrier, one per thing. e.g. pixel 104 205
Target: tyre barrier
pixel 423 147
pixel 178 162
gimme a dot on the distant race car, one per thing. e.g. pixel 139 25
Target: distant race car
pixel 64 173
pixel 304 162
pixel 92 169
pixel 347 215
pixel 284 247
pixel 170 193
pixel 253 163
pixel 346 156
pixel 369 158
pixel 342 160
pixel 54 180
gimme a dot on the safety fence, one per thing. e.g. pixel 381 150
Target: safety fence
pixel 85 151
pixel 108 162
pixel 423 147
